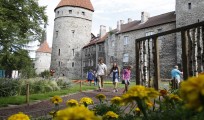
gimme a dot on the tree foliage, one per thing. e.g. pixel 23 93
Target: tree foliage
pixel 21 22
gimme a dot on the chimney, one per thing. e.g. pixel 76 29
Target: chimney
pixel 144 17
pixel 102 30
pixel 119 23
pixel 129 20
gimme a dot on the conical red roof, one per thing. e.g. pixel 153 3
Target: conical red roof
pixel 44 47
pixel 76 3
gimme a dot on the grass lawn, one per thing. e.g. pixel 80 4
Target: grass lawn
pixel 17 100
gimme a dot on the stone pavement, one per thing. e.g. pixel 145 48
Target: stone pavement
pixel 42 108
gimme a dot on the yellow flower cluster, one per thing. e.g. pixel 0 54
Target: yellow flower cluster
pixel 101 96
pixel 139 92
pixel 116 100
pixel 110 115
pixel 76 113
pixel 56 99
pixel 137 110
pixel 149 104
pixel 174 97
pixel 72 102
pixel 19 116
pixel 86 100
pixel 192 91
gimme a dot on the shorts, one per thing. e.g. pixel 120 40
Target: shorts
pixel 116 80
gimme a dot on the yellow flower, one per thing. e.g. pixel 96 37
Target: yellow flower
pixel 76 113
pixel 192 91
pixel 101 96
pixel 56 99
pixel 72 102
pixel 137 110
pixel 174 97
pixel 86 100
pixel 19 116
pixel 139 92
pixel 110 115
pixel 116 100
pixel 149 104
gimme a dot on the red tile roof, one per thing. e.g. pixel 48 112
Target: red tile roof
pixel 97 40
pixel 152 21
pixel 76 3
pixel 44 47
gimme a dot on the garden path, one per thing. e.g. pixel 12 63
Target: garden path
pixel 42 108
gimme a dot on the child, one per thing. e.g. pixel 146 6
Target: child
pixel 116 74
pixel 90 76
pixel 126 77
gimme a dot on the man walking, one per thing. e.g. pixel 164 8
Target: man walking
pixel 101 71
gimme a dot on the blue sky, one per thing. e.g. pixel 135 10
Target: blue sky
pixel 108 12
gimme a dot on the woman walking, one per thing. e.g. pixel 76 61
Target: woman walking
pixel 126 77
pixel 116 75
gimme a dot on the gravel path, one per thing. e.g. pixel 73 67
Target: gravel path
pixel 42 108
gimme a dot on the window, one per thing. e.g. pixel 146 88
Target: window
pixel 100 48
pixel 84 64
pixel 57 12
pixel 59 63
pixel 189 6
pixel 72 64
pixel 83 13
pixel 89 62
pixel 126 40
pixel 125 57
pixel 73 52
pixel 86 51
pixel 70 11
pixel 59 52
pixel 56 34
pixel 159 30
pixel 73 31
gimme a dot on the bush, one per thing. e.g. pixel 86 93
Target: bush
pixel 45 74
pixel 9 87
pixel 64 83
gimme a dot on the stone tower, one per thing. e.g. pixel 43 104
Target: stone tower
pixel 187 12
pixel 72 31
pixel 43 58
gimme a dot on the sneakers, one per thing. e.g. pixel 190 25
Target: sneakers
pixel 115 90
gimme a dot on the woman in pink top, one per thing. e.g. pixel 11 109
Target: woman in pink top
pixel 126 77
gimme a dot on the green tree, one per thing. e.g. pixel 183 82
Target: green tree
pixel 21 22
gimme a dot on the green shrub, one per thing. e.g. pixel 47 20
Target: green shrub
pixel 9 87
pixel 45 74
pixel 64 83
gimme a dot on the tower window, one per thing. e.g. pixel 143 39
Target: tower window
pixel 59 63
pixel 73 31
pixel 73 52
pixel 57 12
pixel 72 64
pixel 57 34
pixel 83 13
pixel 59 52
pixel 189 6
pixel 70 11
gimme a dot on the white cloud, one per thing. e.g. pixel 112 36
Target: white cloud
pixel 108 12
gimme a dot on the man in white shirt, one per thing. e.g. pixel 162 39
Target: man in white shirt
pixel 101 71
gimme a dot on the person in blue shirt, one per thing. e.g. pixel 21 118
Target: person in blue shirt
pixel 90 76
pixel 176 74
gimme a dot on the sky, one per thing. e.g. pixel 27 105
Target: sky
pixel 108 12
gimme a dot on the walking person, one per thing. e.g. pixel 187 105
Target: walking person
pixel 126 77
pixel 116 76
pixel 176 75
pixel 101 71
pixel 90 76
